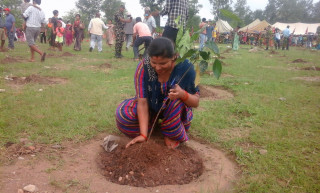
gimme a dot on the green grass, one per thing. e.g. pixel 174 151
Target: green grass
pixel 85 105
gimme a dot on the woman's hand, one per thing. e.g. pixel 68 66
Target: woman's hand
pixel 176 92
pixel 138 139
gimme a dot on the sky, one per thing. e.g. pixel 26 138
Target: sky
pixel 136 10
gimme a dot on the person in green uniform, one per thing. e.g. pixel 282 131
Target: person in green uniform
pixel 119 30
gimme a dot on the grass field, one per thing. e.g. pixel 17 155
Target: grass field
pixel 272 110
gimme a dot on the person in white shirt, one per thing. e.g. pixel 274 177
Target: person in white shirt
pixel 277 38
pixel 35 19
pixel 149 20
pixel 96 32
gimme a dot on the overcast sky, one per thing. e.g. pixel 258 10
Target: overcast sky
pixel 135 9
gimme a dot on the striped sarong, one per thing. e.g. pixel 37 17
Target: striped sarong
pixel 176 119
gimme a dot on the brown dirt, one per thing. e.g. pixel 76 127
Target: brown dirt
pixel 222 57
pixel 299 61
pixel 9 60
pixel 151 164
pixel 214 93
pixel 105 65
pixel 312 68
pixel 73 168
pixel 37 79
pixel 67 54
pixel 227 50
pixel 310 79
pixel 274 52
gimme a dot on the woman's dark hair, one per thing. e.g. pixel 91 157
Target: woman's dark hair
pixel 161 47
pixel 55 12
pixel 204 19
pixel 138 19
pixel 78 15
pixel 37 2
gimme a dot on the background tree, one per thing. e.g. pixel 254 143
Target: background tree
pixel 217 5
pixel 243 11
pixel 155 5
pixel 110 7
pixel 194 19
pixel 316 12
pixel 271 11
pixel 13 5
pixel 258 14
pixel 89 8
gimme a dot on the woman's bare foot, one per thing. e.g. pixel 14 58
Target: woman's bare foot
pixel 171 144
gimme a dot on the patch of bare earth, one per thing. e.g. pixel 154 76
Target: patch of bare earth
pixel 10 60
pixel 299 61
pixel 312 68
pixel 47 80
pixel 309 79
pixel 74 168
pixel 214 93
pixel 67 54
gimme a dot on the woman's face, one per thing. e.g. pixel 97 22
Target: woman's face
pixel 162 65
pixel 77 17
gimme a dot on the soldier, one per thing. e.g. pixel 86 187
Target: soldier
pixel 119 29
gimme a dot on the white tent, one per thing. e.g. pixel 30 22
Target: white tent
pixel 251 25
pixel 298 28
pixel 223 26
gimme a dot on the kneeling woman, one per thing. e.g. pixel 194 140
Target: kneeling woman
pixel 153 78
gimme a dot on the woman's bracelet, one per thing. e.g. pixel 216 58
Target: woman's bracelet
pixel 186 96
pixel 145 137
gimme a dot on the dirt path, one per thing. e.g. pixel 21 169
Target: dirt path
pixel 74 169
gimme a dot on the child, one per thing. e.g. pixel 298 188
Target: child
pixel 59 31
pixel 110 33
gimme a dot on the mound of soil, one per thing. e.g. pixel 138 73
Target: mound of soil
pixel 151 164
pixel 9 60
pixel 214 93
pixel 299 61
pixel 37 79
pixel 273 52
pixel 309 79
pixel 67 54
pixel 227 50
pixel 105 65
pixel 312 68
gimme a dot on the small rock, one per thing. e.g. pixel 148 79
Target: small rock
pixel 33 155
pixel 32 148
pixel 2 90
pixel 263 151
pixel 20 191
pixel 282 99
pixel 246 83
pixel 127 177
pixel 157 190
pixel 110 173
pixel 40 90
pixel 131 172
pixel 120 179
pixel 31 188
pixel 23 140
pixel 142 174
pixel 56 146
pixel 20 158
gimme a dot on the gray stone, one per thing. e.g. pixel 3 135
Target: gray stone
pixel 263 151
pixel 31 188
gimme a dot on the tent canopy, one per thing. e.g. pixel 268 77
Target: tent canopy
pixel 223 26
pixel 298 28
pixel 251 25
pixel 260 27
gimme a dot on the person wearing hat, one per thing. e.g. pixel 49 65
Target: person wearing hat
pixel 35 19
pixel 128 30
pixel 119 29
pixel 10 27
pixel 2 31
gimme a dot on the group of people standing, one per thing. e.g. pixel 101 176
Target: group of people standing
pixel 208 32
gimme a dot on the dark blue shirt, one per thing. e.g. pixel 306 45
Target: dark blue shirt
pixel 209 30
pixel 9 21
